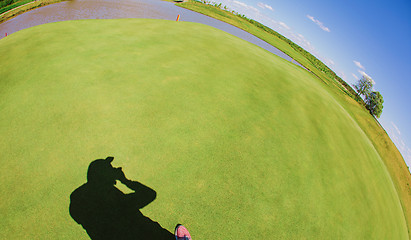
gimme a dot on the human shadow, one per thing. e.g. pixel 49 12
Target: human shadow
pixel 107 213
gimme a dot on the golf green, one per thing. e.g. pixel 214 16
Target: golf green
pixel 237 142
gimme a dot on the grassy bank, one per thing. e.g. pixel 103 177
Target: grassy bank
pixel 277 40
pixel 8 5
pixel 22 7
pixel 386 148
pixel 233 139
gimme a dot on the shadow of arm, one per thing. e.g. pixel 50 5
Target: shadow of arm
pixel 142 195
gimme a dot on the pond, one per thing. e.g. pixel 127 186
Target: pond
pixel 111 9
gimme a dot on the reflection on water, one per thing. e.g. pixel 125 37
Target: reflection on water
pixel 110 9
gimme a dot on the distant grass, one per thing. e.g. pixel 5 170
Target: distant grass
pixel 234 139
pixel 380 139
pixel 17 8
pixel 277 40
pixel 387 150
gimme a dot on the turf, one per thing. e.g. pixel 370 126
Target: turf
pixel 389 153
pixel 241 23
pixel 273 38
pixel 237 142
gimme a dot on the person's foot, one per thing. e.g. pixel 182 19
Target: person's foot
pixel 181 233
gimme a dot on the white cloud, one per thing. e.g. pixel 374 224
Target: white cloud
pixel 281 27
pixel 244 5
pixel 355 76
pixel 320 24
pixel 396 137
pixel 366 75
pixel 359 65
pixel 396 128
pixel 284 25
pixel 240 3
pixel 263 6
pixel 311 17
pixel 302 41
pixel 329 62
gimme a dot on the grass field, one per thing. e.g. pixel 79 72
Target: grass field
pixel 233 139
pixel 274 40
pixel 388 151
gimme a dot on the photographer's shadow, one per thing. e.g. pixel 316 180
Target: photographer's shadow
pixel 105 212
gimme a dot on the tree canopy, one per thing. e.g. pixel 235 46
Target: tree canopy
pixel 374 103
pixel 373 99
pixel 364 86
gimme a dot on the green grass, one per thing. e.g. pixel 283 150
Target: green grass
pixel 14 5
pixel 389 153
pixel 377 135
pixel 234 139
pixel 305 58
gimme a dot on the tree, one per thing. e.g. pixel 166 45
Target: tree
pixel 374 102
pixel 364 86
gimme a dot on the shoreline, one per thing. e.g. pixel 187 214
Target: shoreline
pixel 182 6
pixel 281 45
pixel 25 8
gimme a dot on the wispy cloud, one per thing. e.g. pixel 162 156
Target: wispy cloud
pixel 263 6
pixel 284 25
pixel 328 61
pixel 288 32
pixel 355 76
pixel 240 3
pixel 396 128
pixel 359 65
pixel 302 41
pixel 244 5
pixel 366 75
pixel 396 137
pixel 320 24
pixel 281 27
pixel 255 12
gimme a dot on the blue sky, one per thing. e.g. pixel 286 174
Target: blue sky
pixel 353 38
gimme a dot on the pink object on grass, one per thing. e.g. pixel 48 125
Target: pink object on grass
pixel 182 233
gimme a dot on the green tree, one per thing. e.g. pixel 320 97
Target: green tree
pixel 374 102
pixel 364 86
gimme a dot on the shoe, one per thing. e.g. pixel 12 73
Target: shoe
pixel 181 233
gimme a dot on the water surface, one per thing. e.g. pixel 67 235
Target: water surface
pixel 111 9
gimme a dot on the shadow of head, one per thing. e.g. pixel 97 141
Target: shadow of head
pixel 105 212
pixel 100 171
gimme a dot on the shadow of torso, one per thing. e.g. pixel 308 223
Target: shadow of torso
pixel 107 213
